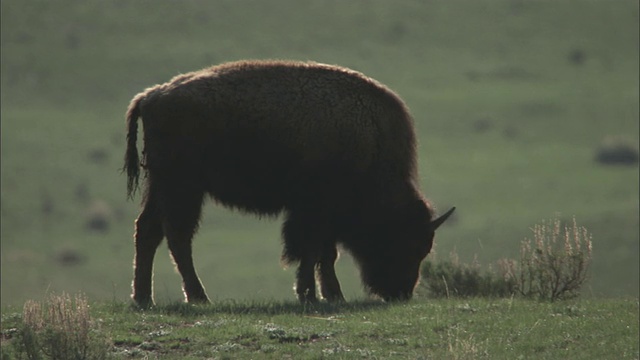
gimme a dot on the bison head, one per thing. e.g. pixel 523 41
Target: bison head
pixel 390 263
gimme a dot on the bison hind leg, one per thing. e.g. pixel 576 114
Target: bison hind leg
pixel 148 235
pixel 182 211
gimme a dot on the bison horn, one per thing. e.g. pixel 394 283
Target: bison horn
pixel 437 222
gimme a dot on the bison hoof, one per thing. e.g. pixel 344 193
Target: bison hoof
pixel 199 301
pixel 335 299
pixel 144 304
pixel 307 299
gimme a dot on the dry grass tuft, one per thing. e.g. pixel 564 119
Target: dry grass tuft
pixel 60 328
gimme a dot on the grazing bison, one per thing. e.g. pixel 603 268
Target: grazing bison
pixel 332 149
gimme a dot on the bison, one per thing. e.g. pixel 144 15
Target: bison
pixel 332 149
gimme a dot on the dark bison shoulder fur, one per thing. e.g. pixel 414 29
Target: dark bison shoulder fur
pixel 330 147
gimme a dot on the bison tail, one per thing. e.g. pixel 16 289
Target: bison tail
pixel 131 158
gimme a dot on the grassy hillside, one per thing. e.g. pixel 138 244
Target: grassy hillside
pixel 511 99
pixel 442 329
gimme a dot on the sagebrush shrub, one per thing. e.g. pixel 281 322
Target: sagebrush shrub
pixel 555 265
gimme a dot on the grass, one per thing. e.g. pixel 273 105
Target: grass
pixel 421 329
pixel 509 124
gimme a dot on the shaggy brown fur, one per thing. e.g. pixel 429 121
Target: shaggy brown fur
pixel 331 148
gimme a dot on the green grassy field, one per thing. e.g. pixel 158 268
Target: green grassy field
pixel 432 329
pixel 511 100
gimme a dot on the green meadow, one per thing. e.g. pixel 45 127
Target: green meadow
pixel 512 100
pixel 422 329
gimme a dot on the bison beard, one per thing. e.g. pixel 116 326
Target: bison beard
pixel 332 149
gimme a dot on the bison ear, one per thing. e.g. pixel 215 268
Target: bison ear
pixel 439 221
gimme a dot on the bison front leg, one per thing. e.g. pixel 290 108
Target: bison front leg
pixel 147 237
pixel 302 244
pixel 305 286
pixel 180 247
pixel 310 240
pixel 329 284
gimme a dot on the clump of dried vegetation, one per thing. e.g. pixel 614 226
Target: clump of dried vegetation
pixel 553 266
pixel 60 328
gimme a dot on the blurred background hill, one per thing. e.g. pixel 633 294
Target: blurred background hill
pixel 525 110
